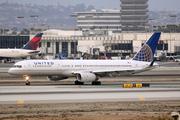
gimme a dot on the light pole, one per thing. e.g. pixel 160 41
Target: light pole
pixel 34 16
pixel 74 16
pixel 20 17
pixel 151 19
pixel 174 16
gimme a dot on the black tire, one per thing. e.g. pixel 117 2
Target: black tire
pixel 27 83
pixel 96 83
pixel 79 83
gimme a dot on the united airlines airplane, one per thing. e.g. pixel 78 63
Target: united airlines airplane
pixel 28 50
pixel 89 70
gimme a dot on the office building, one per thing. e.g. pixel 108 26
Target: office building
pixel 134 15
pixel 106 19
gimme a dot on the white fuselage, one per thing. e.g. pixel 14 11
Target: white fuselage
pixel 70 67
pixel 16 53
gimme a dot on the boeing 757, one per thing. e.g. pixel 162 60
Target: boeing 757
pixel 89 70
pixel 28 50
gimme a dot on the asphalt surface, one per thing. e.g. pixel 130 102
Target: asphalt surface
pixel 83 94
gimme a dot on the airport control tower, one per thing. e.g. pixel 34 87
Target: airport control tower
pixel 134 15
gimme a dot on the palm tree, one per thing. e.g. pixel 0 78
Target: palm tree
pixel 1 31
pixel 6 30
pixel 100 28
pixel 80 29
pixel 107 28
pixel 26 31
pixel 135 26
pixel 31 29
pixel 117 28
pixel 127 27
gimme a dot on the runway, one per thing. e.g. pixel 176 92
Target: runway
pixel 164 86
pixel 83 94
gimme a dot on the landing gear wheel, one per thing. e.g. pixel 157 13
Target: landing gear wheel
pixel 27 83
pixel 96 83
pixel 79 83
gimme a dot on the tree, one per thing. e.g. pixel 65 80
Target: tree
pixel 135 27
pixel 38 29
pixel 26 31
pixel 6 30
pixel 107 28
pixel 80 29
pixel 32 29
pixel 93 28
pixel 14 33
pixel 117 28
pixel 127 27
pixel 100 28
pixel 1 31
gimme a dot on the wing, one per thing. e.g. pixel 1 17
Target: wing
pixel 122 72
pixel 113 72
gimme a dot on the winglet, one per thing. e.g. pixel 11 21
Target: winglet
pixel 147 51
pixel 33 43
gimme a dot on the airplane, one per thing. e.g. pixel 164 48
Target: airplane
pixel 28 50
pixel 89 70
pixel 162 56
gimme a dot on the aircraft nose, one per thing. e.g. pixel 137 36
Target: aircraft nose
pixel 11 71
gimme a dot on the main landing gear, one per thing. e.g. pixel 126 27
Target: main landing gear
pixel 96 83
pixel 93 83
pixel 79 83
pixel 27 80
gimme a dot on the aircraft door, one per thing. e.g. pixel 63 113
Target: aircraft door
pixel 58 67
pixel 29 66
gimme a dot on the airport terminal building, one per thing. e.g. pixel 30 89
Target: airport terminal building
pixel 121 44
pixel 54 42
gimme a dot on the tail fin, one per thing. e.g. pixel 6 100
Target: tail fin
pixel 147 51
pixel 33 43
pixel 59 57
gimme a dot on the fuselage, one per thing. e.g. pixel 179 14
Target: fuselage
pixel 17 53
pixel 69 67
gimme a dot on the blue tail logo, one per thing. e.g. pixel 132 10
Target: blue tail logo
pixel 147 51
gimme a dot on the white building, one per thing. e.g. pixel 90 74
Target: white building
pixel 121 44
pixel 134 14
pixel 106 19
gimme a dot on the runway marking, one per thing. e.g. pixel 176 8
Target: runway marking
pixel 142 99
pixel 20 101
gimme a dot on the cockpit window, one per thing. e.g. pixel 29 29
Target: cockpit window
pixel 17 66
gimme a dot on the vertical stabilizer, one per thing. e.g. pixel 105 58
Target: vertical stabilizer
pixel 33 43
pixel 146 53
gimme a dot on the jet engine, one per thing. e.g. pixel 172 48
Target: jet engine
pixel 87 77
pixel 56 78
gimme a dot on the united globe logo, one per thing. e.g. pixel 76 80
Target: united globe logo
pixel 145 54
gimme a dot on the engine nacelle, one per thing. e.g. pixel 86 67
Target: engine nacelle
pixel 87 77
pixel 56 78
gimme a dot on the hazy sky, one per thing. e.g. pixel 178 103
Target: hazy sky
pixel 168 5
